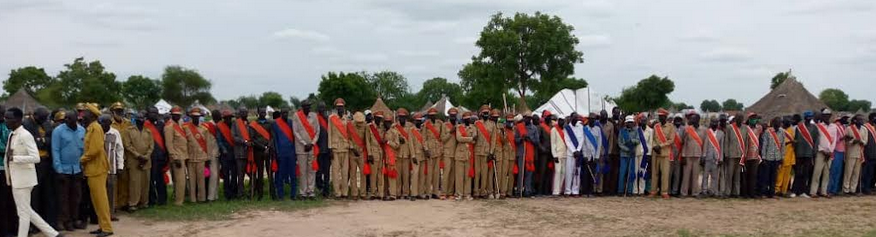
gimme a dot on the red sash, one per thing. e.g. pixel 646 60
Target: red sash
pixel 156 135
pixel 198 137
pixel 509 135
pixel 857 137
pixel 561 131
pixel 871 130
pixel 753 139
pixel 260 130
pixel 284 127
pixel 529 149
pixel 226 133
pixel 419 138
pixel 366 169
pixel 741 142
pixel 483 130
pixel 250 158
pixel 801 128
pixel 661 137
pixel 775 138
pixel 177 128
pixel 211 127
pixel 693 134
pixel 714 141
pixel 336 121
pixel 464 133
pixel 310 131
pixel 401 130
pixel 433 130
pixel 824 132
pixel 788 136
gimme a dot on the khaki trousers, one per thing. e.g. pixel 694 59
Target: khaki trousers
pixel 690 177
pixel 138 187
pixel 100 202
pixel 851 175
pixel 392 183
pixel 378 188
pixel 433 178
pixel 463 182
pixel 404 176
pixel 213 182
pixel 357 179
pixel 197 184
pixel 448 178
pixel 179 182
pixel 415 178
pixel 307 176
pixel 340 173
pixel 660 174
pixel 120 189
pixel 424 182
pixel 481 177
pixel 820 176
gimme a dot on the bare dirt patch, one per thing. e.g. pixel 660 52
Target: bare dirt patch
pixel 539 217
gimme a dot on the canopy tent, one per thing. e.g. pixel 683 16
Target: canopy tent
pixel 583 100
pixel 204 110
pixel 23 101
pixel 788 98
pixel 163 106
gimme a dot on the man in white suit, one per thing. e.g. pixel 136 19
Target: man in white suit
pixel 21 155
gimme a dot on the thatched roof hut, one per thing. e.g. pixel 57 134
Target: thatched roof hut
pixel 23 100
pixel 788 98
pixel 379 105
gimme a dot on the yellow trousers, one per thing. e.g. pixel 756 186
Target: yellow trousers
pixel 783 181
pixel 100 201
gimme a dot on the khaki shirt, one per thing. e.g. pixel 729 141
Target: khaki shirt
pixel 392 140
pixel 138 144
pixel 375 147
pixel 196 153
pixel 433 142
pixel 302 138
pixel 448 139
pixel 94 161
pixel 176 143
pixel 482 146
pixel 669 133
pixel 417 147
pixel 690 147
pixel 462 152
pixel 855 150
pixel 359 129
pixel 337 142
pixel 507 150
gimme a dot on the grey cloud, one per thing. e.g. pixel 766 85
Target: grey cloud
pixel 726 54
pixel 825 7
pixel 290 33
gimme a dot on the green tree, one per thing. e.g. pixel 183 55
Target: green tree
pixel 855 105
pixel 391 86
pixel 779 78
pixel 295 102
pixel 649 94
pixel 526 52
pixel 140 92
pixel 710 106
pixel 83 81
pixel 836 99
pixel 273 99
pixel 351 86
pixel 32 79
pixel 434 88
pixel 248 101
pixel 682 105
pixel 184 86
pixel 732 105
pixel 479 88
pixel 232 103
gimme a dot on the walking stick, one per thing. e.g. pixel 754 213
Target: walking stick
pixel 495 178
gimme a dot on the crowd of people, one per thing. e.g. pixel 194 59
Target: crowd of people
pixel 124 159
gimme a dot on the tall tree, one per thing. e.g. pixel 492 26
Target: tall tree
pixel 733 105
pixel 273 99
pixel 184 86
pixel 836 99
pixel 140 91
pixel 351 86
pixel 434 88
pixel 779 78
pixel 649 94
pixel 294 101
pixel 83 81
pixel 855 105
pixel 681 105
pixel 248 101
pixel 32 79
pixel 525 51
pixel 391 86
pixel 710 106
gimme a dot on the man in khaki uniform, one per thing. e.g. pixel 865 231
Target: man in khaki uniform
pixel 664 139
pixel 484 145
pixel 404 147
pixel 177 148
pixel 693 138
pixel 357 159
pixel 465 154
pixel 506 150
pixel 374 141
pixel 432 131
pixel 121 124
pixel 419 154
pixel 138 153
pixel 339 143
pixel 448 138
pixel 201 147
pixel 392 149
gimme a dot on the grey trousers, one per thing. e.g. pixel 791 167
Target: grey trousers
pixel 111 188
pixel 675 173
pixel 710 178
pixel 731 177
pixel 690 177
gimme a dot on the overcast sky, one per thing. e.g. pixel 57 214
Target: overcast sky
pixel 711 49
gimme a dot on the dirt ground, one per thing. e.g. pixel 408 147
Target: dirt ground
pixel 543 217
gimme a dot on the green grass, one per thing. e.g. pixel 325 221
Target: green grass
pixel 220 209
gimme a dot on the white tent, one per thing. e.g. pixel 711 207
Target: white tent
pixel 163 106
pixel 581 101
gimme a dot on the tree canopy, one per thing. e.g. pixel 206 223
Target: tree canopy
pixel 83 81
pixel 836 99
pixel 434 88
pixel 140 91
pixel 32 79
pixel 524 52
pixel 732 104
pixel 649 94
pixel 353 87
pixel 779 78
pixel 273 99
pixel 184 86
pixel 710 106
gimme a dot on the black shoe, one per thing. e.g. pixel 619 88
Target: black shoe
pixel 114 219
pixel 79 225
pixel 98 231
pixel 104 234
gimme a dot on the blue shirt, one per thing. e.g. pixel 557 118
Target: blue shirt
pixel 67 148
pixel 282 145
pixel 4 135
